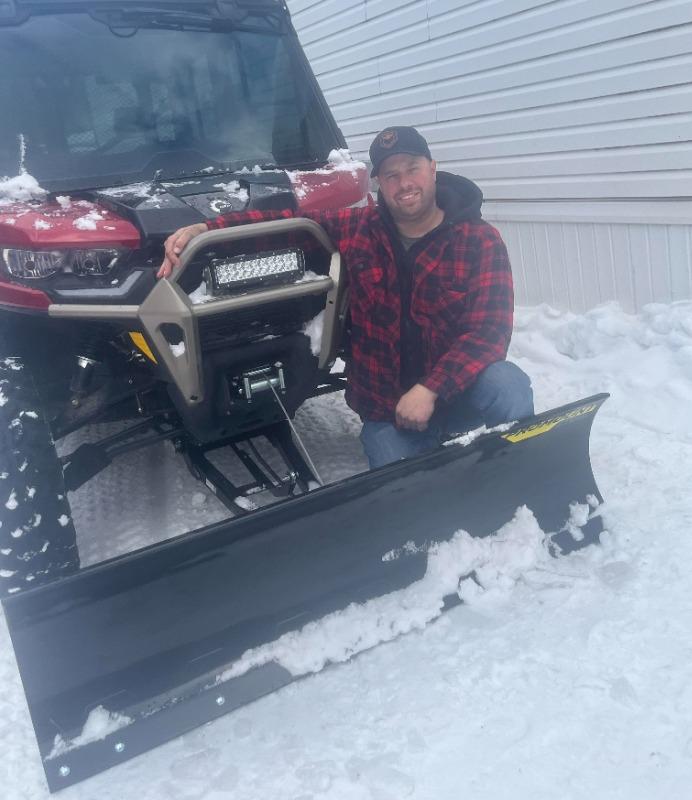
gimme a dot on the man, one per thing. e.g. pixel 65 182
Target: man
pixel 431 303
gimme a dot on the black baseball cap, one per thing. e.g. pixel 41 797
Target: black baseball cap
pixel 395 140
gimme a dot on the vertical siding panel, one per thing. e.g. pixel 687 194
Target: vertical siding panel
pixel 534 292
pixel 622 267
pixel 543 254
pixel 511 238
pixel 680 248
pixel 588 262
pixel 689 256
pixel 557 264
pixel 606 276
pixel 659 263
pixel 573 266
pixel 641 276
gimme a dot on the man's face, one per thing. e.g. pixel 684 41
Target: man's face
pixel 407 184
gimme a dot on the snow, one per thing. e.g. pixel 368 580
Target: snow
pixel 20 189
pixel 233 189
pixel 313 330
pixel 339 161
pixel 88 222
pixel 100 723
pixel 200 295
pixel 495 563
pixel 144 189
pixel 558 678
pixel 342 159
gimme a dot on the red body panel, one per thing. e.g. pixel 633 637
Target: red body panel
pixel 23 297
pixel 52 226
pixel 333 187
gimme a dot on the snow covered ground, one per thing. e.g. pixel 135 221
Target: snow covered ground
pixel 565 679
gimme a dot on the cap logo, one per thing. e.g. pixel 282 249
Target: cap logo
pixel 388 139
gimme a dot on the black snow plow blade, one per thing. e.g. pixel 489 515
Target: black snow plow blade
pixel 135 651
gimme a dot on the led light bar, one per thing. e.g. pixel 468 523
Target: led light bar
pixel 259 269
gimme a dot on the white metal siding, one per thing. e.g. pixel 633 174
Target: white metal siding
pixel 579 265
pixel 565 101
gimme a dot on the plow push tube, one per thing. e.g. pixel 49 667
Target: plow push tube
pixel 146 636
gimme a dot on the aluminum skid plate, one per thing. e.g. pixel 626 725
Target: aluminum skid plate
pixel 146 635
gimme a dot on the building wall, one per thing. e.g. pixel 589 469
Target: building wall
pixel 574 117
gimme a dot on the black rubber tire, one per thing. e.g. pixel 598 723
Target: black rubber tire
pixel 38 542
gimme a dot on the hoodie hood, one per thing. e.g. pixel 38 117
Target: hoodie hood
pixel 458 197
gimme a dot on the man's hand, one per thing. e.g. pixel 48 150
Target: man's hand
pixel 415 408
pixel 175 244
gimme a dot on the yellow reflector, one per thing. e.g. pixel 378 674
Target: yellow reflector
pixel 141 344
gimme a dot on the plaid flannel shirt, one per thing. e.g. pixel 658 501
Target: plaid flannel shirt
pixel 461 299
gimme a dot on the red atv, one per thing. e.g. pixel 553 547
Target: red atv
pixel 130 120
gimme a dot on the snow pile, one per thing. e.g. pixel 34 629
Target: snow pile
pixel 131 190
pixel 313 330
pixel 100 723
pixel 643 360
pixel 20 189
pixel 201 295
pixel 339 161
pixel 233 189
pixel 465 439
pixel 342 160
pixel 477 570
pixel 599 331
pixel 89 221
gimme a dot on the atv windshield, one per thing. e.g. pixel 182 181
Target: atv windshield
pixel 86 103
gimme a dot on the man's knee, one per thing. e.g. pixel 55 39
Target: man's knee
pixel 383 443
pixel 502 393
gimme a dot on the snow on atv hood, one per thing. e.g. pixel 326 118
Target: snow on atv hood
pixel 37 222
pixel 114 216
pixel 19 189
pixel 343 175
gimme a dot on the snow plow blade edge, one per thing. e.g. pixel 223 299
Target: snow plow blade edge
pixel 146 636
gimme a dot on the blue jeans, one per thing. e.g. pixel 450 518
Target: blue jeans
pixel 501 393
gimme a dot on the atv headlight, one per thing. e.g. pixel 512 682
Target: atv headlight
pixel 94 262
pixel 29 264
pixel 44 263
pixel 260 269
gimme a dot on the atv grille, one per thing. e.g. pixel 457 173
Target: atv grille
pixel 249 324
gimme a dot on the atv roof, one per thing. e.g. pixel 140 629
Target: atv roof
pixel 13 12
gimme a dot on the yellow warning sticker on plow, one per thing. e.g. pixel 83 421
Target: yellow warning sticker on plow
pixel 548 424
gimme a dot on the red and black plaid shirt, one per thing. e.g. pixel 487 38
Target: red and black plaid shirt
pixel 461 300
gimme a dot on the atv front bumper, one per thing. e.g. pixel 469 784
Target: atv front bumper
pixel 168 307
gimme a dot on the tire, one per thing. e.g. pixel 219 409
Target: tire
pixel 38 542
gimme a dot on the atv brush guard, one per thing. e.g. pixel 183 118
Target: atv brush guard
pixel 249 392
pixel 168 307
